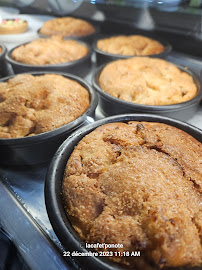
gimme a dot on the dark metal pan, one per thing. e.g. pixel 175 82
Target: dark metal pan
pixel 4 71
pixel 53 186
pixel 87 39
pixel 110 105
pixel 40 148
pixel 104 57
pixel 80 67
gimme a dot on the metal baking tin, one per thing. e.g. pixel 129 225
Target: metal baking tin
pixel 80 67
pixel 104 57
pixel 41 147
pixel 53 186
pixel 87 38
pixel 110 105
pixel 3 64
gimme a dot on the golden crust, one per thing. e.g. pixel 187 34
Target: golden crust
pixel 130 45
pixel 31 105
pixel 67 27
pixel 138 184
pixel 147 81
pixel 49 51
pixel 17 27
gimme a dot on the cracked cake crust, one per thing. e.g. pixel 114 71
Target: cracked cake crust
pixel 31 105
pixel 130 45
pixel 147 81
pixel 138 184
pixel 49 51
pixel 67 27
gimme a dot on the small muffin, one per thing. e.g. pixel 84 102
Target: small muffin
pixel 31 105
pixel 67 27
pixel 130 45
pixel 49 51
pixel 138 185
pixel 13 26
pixel 147 81
pixel 1 50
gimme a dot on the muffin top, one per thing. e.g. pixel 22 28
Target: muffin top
pixel 147 81
pixel 67 27
pixel 130 45
pixel 138 184
pixel 49 51
pixel 31 105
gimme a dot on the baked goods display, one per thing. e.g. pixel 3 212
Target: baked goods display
pixel 67 27
pixel 31 105
pixel 130 45
pixel 49 51
pixel 13 26
pixel 138 184
pixel 147 81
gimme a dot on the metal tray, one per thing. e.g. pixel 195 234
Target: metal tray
pixel 23 214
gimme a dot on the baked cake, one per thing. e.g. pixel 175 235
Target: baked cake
pixel 67 27
pixel 49 51
pixel 147 81
pixel 130 45
pixel 13 26
pixel 31 105
pixel 138 184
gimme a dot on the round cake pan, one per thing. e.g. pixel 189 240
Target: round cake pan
pixel 40 148
pixel 104 57
pixel 4 70
pixel 80 67
pixel 54 178
pixel 87 38
pixel 110 105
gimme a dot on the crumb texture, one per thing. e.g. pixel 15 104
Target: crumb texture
pixel 138 184
pixel 147 81
pixel 31 105
pixel 49 51
pixel 67 27
pixel 130 45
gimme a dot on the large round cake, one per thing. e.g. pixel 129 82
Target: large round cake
pixel 147 81
pixel 138 185
pixel 31 105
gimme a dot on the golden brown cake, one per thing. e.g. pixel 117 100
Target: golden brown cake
pixel 130 45
pixel 147 81
pixel 31 105
pixel 67 27
pixel 138 184
pixel 49 51
pixel 1 49
pixel 13 26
